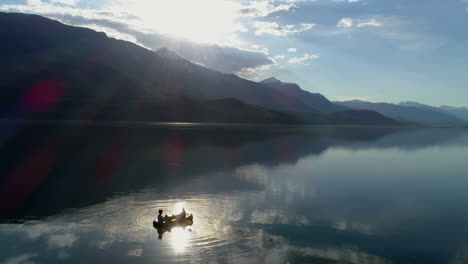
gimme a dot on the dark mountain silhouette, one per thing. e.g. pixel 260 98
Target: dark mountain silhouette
pixel 39 48
pixel 407 114
pixel 53 71
pixel 290 94
pixel 180 109
pixel 363 117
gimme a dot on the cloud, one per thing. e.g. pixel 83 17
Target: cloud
pixel 66 2
pixel 255 73
pixel 62 240
pixel 401 32
pixel 224 59
pixel 348 23
pixel 279 57
pixel 347 1
pixel 369 23
pixel 345 23
pixel 259 48
pixel 114 33
pixel 292 50
pixel 34 2
pixel 303 59
pixel 264 8
pixel 273 28
pixel 21 259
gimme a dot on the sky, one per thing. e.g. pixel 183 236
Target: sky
pixel 374 50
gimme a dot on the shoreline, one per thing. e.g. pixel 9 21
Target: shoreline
pixel 149 124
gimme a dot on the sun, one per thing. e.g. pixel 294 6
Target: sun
pixel 208 21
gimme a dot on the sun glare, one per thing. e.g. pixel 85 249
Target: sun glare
pixel 179 239
pixel 178 207
pixel 211 21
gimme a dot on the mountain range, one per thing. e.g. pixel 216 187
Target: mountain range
pixel 459 112
pixel 409 113
pixel 54 71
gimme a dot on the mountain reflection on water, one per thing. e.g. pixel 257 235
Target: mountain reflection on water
pixel 81 193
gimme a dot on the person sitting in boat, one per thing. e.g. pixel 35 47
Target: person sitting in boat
pixel 160 217
pixel 167 218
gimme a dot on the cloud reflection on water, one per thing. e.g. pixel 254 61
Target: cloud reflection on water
pixel 335 198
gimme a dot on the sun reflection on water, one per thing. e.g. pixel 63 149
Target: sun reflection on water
pixel 179 239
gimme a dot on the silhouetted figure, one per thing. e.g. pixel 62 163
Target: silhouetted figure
pixel 160 217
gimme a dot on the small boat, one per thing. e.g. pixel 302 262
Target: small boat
pixel 175 222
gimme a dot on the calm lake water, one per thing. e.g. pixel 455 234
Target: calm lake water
pixel 83 194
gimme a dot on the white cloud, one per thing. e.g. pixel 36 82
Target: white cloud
pixel 259 48
pixel 66 2
pixel 303 59
pixel 292 50
pixel 256 73
pixel 348 23
pixel 265 8
pixel 52 2
pixel 347 1
pixel 402 32
pixel 345 23
pixel 21 259
pixel 62 240
pixel 272 28
pixel 370 23
pixel 113 33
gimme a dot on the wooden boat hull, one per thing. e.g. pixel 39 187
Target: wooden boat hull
pixel 180 222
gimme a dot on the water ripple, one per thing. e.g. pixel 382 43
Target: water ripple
pixel 129 218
